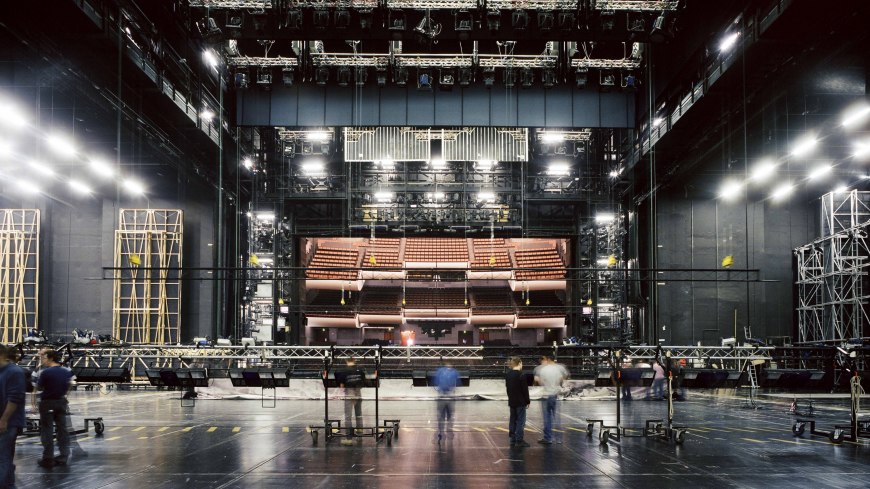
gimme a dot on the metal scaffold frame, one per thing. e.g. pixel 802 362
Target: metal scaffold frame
pixel 833 272
pixel 146 301
pixel 19 273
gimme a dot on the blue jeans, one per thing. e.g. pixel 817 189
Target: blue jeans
pixel 445 415
pixel 659 389
pixel 54 412
pixel 352 405
pixel 7 457
pixel 517 423
pixel 548 410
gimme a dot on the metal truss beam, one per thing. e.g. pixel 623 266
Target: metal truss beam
pixel 531 5
pixel 232 4
pixel 636 5
pixel 262 61
pixel 606 64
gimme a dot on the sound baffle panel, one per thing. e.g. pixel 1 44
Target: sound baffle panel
pixel 19 273
pixel 147 287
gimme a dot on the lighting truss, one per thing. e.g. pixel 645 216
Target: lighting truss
pixel 636 5
pixel 518 61
pixel 623 64
pixel 534 4
pixel 581 135
pixel 291 135
pixel 232 4
pixel 355 60
pixel 429 134
pixel 516 134
pixel 432 61
pixel 353 134
pixel 262 61
pixel 431 4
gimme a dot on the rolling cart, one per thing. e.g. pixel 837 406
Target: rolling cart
pixel 857 428
pixel 332 427
pixel 32 428
pixel 656 427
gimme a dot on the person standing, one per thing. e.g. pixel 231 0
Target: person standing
pixel 12 389
pixel 518 401
pixel 550 375
pixel 351 379
pixel 53 385
pixel 658 381
pixel 446 380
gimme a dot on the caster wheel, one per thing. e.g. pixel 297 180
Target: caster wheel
pixel 396 430
pixel 589 428
pixel 314 435
pixel 679 435
pixel 797 429
pixel 837 436
pixel 658 427
pixel 604 436
pixel 99 427
pixel 389 435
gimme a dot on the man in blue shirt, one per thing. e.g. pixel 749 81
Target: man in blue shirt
pixel 53 384
pixel 12 388
pixel 446 380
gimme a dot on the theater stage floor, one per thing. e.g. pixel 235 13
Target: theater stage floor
pixel 152 442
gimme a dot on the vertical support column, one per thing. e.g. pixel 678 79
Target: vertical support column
pixel 19 273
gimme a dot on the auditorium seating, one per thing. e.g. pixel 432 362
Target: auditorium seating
pixel 436 250
pixel 482 258
pixel 385 252
pixel 492 301
pixel 327 303
pixel 427 298
pixel 542 304
pixel 539 258
pixel 381 301
pixel 326 257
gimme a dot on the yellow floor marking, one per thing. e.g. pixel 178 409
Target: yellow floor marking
pixel 113 438
pixel 786 441
pixel 237 429
pixel 503 429
pixel 558 431
pixel 143 437
pixel 481 429
pixel 164 428
pixel 744 430
pixel 286 429
pixel 753 440
pixel 188 428
pixel 577 429
pixel 139 428
pixel 212 429
pixel 116 428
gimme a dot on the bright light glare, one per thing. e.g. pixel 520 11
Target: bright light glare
pixel 248 163
pixel 321 136
pixel 728 42
pixel 782 191
pixel 657 121
pixel 820 171
pixel 855 116
pixel 11 116
pixel 27 187
pixel 487 163
pixel 763 171
pixel 134 186
pixel 558 169
pixel 210 58
pixel 79 187
pixel 61 145
pixel 730 190
pixel 313 167
pixel 383 196
pixel 207 115
pixel 438 164
pixel 614 173
pixel 552 137
pixel 862 148
pixel 102 168
pixel 41 168
pixel 605 217
pixel 266 216
pixel 387 164
pixel 804 146
pixel 6 148
pixel 486 196
pixel 602 262
pixel 842 189
pixel 438 195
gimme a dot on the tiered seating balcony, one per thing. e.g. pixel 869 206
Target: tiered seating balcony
pixel 483 258
pixel 384 258
pixel 492 301
pixel 426 298
pixel 327 304
pixel 381 301
pixel 333 258
pixel 487 243
pixel 436 250
pixel 540 258
pixel 542 304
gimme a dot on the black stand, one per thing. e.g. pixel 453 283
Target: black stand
pixel 654 427
pixel 856 428
pixel 33 426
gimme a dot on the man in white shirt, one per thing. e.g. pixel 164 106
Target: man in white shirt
pixel 550 375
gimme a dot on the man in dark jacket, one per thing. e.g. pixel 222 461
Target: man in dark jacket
pixel 518 401
pixel 12 388
pixel 53 384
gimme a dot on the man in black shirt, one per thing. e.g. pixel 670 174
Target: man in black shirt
pixel 518 401
pixel 351 379
pixel 53 383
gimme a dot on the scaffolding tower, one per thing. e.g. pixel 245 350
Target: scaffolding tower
pixel 146 306
pixel 832 272
pixel 19 273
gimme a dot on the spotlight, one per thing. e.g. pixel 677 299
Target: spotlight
pixel 527 77
pixel 401 76
pixel 493 20
pixel 365 19
pixel 342 19
pixel 208 30
pixel 730 190
pixel 804 146
pixel 763 171
pixel 552 137
pixel 383 196
pixel 606 81
pixel 287 76
pixel 293 19
pixel 604 217
pixel 782 191
pixel 558 169
pixel 206 115
pixel 362 76
pixel 427 28
pixel 819 172
pixel 321 19
pixel 614 173
pixel 313 168
pixel 446 79
pixel 608 20
pixel 636 23
pixel 396 20
pixel 241 80
pixel 381 75
pixel 264 76
pixel 629 82
pixel 101 168
pixel 841 189
pixel 41 167
pixel 660 29
pixel 321 75
pixel 235 19
pixel 728 42
pixel 27 187
pixel 462 24
pixel 210 58
pixel 466 76
pixel 133 186
pixel 343 76
pixel 79 187
pixel 248 163
pixel 488 77
pixel 581 77
pixel 545 21
pixel 510 76
pixel 519 19
pixel 424 80
pixel 61 146
pixel 11 116
pixel 486 196
pixel 856 116
pixel 549 78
